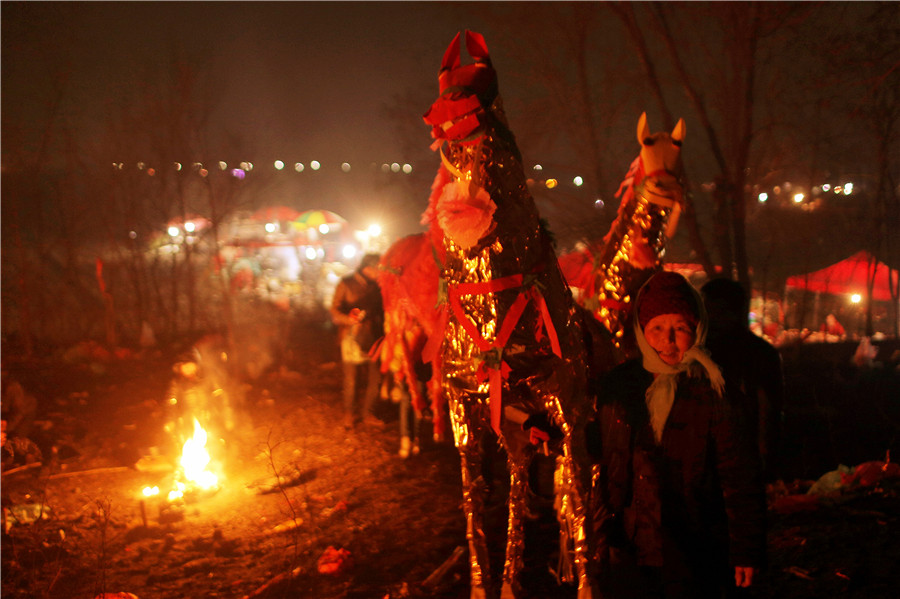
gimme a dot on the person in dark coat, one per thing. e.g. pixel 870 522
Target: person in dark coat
pixel 678 505
pixel 358 312
pixel 751 366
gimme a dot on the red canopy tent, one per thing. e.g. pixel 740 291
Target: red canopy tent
pixel 850 275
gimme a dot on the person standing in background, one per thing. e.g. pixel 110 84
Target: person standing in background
pixel 751 366
pixel 357 311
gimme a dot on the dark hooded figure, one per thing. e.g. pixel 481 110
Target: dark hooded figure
pixel 751 366
pixel 678 505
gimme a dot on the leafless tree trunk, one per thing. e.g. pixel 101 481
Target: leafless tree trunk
pixel 726 185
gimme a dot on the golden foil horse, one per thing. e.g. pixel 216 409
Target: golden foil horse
pixel 634 248
pixel 511 338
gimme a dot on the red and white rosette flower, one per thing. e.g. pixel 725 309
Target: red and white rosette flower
pixel 465 213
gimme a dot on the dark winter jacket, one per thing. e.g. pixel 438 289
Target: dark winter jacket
pixel 753 371
pixel 693 505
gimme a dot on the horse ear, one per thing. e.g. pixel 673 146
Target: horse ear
pixel 643 132
pixel 476 46
pixel 679 131
pixel 451 56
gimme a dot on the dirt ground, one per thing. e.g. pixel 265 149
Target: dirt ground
pixel 296 486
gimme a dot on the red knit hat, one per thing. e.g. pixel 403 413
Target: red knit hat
pixel 667 293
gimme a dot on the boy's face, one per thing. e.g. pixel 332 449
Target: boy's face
pixel 371 272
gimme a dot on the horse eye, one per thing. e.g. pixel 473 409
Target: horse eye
pixel 648 141
pixel 676 143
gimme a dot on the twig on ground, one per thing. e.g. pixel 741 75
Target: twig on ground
pixel 92 471
pixel 284 576
pixel 451 562
pixel 280 487
pixel 23 468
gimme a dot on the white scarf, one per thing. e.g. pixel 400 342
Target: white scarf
pixel 660 395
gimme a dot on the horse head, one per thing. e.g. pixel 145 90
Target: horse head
pixel 661 167
pixel 481 163
pixel 651 200
pixel 478 78
pixel 466 92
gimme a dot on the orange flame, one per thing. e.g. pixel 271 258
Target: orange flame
pixel 193 471
pixel 193 468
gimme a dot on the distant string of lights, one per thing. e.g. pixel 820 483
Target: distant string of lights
pixel 845 189
pixel 245 167
pixel 799 197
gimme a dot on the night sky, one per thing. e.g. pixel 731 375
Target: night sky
pixel 295 78
pixel 302 81
pixel 296 81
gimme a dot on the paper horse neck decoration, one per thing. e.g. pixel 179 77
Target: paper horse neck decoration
pixel 651 200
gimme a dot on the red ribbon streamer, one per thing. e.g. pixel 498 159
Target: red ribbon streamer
pixel 536 436
pixel 495 374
